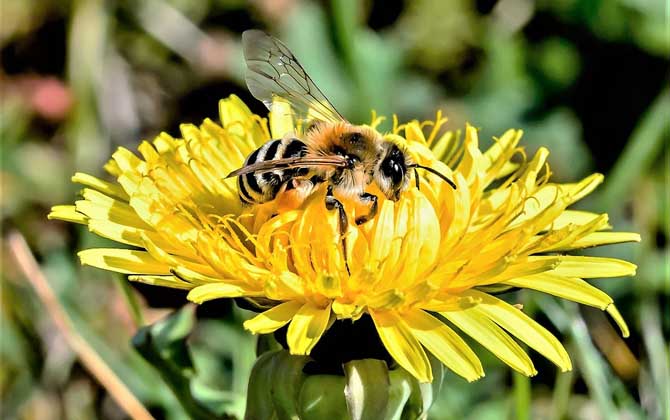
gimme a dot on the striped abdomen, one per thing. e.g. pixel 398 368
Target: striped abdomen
pixel 256 188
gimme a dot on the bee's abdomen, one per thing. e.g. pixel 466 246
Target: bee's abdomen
pixel 256 188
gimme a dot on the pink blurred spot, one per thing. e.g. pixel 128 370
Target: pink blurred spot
pixel 50 98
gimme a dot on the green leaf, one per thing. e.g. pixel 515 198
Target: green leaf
pixel 163 345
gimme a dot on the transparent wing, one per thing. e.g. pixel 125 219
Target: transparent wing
pixel 274 72
pixel 289 163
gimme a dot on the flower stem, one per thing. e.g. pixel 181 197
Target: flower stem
pixel 521 396
pixel 561 396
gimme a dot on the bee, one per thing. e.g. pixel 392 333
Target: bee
pixel 347 157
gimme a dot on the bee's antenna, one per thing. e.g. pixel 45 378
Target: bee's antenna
pixel 432 171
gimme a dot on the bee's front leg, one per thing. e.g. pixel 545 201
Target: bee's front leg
pixel 334 203
pixel 368 198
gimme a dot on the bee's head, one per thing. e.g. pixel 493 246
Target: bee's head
pixel 391 175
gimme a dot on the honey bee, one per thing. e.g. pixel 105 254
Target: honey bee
pixel 347 157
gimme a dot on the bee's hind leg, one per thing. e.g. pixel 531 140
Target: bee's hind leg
pixel 368 198
pixel 334 203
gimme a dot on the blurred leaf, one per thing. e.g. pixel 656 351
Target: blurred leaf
pixel 505 91
pixel 561 394
pixel 596 374
pixel 560 132
pixel 306 33
pixel 223 355
pixel 453 22
pixel 558 60
pixel 87 39
pixel 659 355
pixel 163 345
pixel 644 145
pixel 20 360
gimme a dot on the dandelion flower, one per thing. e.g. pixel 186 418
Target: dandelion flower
pixel 422 269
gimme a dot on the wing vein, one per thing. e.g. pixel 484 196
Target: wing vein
pixel 274 72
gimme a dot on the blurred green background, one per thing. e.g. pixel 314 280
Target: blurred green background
pixel 588 79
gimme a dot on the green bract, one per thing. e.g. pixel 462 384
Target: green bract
pixel 368 389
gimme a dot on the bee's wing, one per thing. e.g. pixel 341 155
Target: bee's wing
pixel 289 163
pixel 274 72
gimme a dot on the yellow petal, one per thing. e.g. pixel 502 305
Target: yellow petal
pixel 413 132
pixel 212 291
pixel 523 327
pixel 239 121
pixel 396 241
pixel 421 244
pixel 497 158
pixel 601 238
pixel 491 336
pixel 107 188
pixel 125 261
pixel 232 110
pixel 547 201
pixel 165 281
pixel 116 232
pixel 581 189
pixel 195 278
pixel 112 168
pixel 127 161
pixel 563 238
pixel 96 205
pixel 444 147
pixel 387 299
pixel 519 268
pixel 444 343
pixel 68 214
pixel 274 318
pixel 402 344
pixel 506 142
pixel 165 144
pixel 149 152
pixel 306 328
pixel 616 316
pixel 473 164
pixel 382 236
pixel 591 267
pixel 571 288
pixel 574 217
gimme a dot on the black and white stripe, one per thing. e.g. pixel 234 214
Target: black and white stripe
pixel 256 188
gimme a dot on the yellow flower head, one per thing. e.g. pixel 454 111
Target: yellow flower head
pixel 421 267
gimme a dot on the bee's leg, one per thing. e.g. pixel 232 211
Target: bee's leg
pixel 334 203
pixel 368 198
pixel 416 179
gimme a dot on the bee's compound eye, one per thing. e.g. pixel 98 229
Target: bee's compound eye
pixel 392 168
